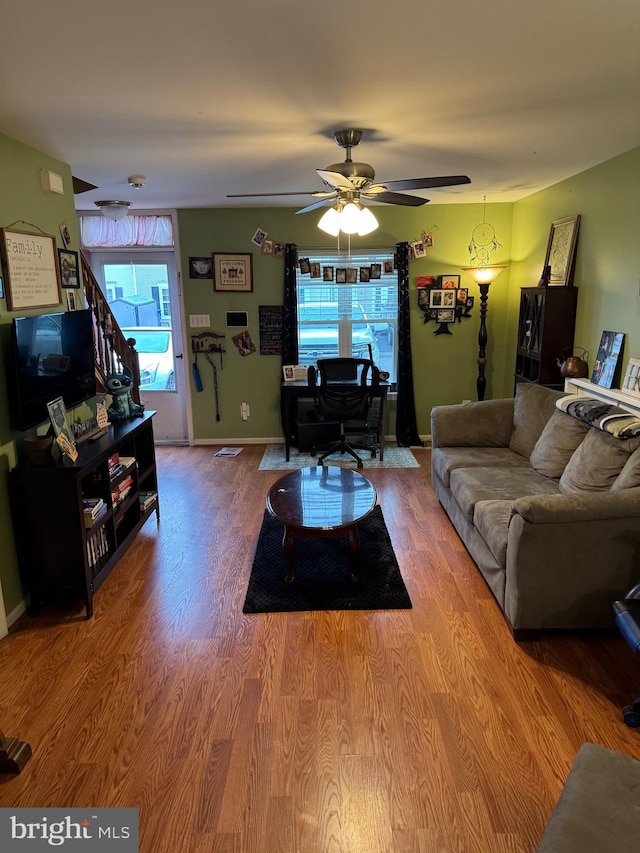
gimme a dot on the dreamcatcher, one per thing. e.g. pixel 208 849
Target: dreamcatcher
pixel 483 240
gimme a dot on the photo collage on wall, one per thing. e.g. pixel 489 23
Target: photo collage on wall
pixel 442 300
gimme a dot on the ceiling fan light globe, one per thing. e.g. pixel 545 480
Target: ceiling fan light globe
pixel 368 222
pixel 350 218
pixel 330 222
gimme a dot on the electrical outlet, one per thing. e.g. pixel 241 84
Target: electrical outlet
pixel 466 401
pixel 244 411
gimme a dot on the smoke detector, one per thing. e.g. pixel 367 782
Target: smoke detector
pixel 137 181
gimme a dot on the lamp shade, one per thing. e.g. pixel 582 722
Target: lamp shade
pixel 484 275
pixel 113 208
pixel 367 223
pixel 330 222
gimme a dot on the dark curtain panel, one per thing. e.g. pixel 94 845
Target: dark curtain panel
pixel 289 318
pixel 290 303
pixel 406 426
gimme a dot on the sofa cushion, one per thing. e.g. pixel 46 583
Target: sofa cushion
pixel 445 459
pixel 533 406
pixel 629 477
pixel 470 485
pixel 491 520
pixel 597 462
pixel 557 443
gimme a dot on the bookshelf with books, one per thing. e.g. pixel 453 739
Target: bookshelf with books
pixel 74 520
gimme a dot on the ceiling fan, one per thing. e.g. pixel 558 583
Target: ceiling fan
pixel 352 182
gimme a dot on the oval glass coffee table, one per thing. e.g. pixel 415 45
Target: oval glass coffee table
pixel 321 502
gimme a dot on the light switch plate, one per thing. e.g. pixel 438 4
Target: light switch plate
pixel 196 320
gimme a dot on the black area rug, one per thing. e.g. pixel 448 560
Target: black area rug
pixel 322 580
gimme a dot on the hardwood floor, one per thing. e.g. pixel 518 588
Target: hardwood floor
pixel 342 732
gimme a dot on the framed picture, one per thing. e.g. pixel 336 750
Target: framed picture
pixel 327 273
pixel 233 272
pixel 631 383
pixel 305 266
pixel 352 275
pixel 295 372
pixel 314 269
pixel 418 249
pixel 561 250
pixel 606 369
pixel 388 266
pixel 260 235
pixel 427 239
pixel 68 262
pixel 59 420
pixel 445 315
pixel 30 269
pixel 278 249
pixel 200 268
pixel 341 275
pixel 376 271
pixel 450 282
pixel 440 298
pixel 365 273
pixel 267 246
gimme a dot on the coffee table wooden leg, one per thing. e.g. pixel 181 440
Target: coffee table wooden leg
pixel 354 552
pixel 287 547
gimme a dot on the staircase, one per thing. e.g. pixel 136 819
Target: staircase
pixel 112 350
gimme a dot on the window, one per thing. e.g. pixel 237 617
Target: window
pixel 347 307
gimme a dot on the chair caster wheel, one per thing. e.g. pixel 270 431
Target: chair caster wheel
pixel 631 716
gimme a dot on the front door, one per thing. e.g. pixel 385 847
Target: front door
pixel 142 290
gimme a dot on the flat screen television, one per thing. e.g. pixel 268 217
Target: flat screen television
pixel 52 356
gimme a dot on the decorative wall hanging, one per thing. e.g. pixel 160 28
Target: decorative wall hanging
pixel 233 272
pixel 483 240
pixel 31 274
pixel 561 251
pixel 200 268
pixel 444 303
pixel 243 342
pixel 208 343
pixel 270 322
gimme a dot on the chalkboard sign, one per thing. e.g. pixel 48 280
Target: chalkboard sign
pixel 270 329
pixel 30 269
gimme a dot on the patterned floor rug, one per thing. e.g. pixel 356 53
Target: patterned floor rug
pixel 322 581
pixel 394 457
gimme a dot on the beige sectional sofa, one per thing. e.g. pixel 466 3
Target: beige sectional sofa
pixel 547 505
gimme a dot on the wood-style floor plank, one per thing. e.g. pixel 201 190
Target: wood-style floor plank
pixel 420 731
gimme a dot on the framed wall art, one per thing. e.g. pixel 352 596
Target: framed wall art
pixel 631 383
pixel 233 272
pixel 606 369
pixel 30 268
pixel 561 250
pixel 68 262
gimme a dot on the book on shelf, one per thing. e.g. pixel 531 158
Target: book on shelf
pixel 147 498
pixel 90 520
pixel 127 461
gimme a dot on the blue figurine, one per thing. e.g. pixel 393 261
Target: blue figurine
pixel 122 407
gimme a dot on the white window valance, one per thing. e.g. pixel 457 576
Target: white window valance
pixel 132 231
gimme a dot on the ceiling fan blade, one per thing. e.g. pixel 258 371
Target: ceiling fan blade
pixel 317 204
pixel 426 183
pixel 80 186
pixel 335 179
pixel 397 198
pixel 257 195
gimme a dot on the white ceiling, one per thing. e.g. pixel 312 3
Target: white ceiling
pixel 207 99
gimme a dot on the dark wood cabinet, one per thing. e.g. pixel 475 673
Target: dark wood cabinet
pixel 58 553
pixel 546 326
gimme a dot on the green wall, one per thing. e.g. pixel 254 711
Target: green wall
pixel 25 206
pixel 444 366
pixel 445 369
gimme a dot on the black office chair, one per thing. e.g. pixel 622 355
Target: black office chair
pixel 342 390
pixel 627 612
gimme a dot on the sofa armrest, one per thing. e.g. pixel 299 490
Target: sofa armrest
pixel 488 423
pixel 578 507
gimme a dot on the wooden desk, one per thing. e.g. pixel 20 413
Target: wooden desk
pixel 291 392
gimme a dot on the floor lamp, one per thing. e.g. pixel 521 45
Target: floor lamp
pixel 483 277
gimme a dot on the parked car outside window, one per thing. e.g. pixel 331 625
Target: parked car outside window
pixel 155 356
pixel 319 332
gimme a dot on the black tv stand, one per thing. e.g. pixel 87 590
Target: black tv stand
pixel 60 556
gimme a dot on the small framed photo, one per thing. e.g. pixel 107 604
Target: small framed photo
pixel 314 269
pixel 71 301
pixel 68 263
pixel 233 272
pixel 376 271
pixel 278 249
pixel 259 236
pixel 462 295
pixel 267 247
pixel 450 282
pixel 341 275
pixel 446 315
pixel 295 372
pixel 418 249
pixel 631 383
pixel 440 298
pixel 352 275
pixel 423 297
pixel 388 266
pixel 561 250
pixel 327 273
pixel 365 274
pixel 65 233
pixel 59 420
pixel 305 266
pixel 427 239
pixel 200 268
pixel 606 369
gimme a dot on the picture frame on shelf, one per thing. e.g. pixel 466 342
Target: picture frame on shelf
pixel 561 250
pixel 68 263
pixel 631 382
pixel 233 272
pixel 30 269
pixel 59 420
pixel 606 368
